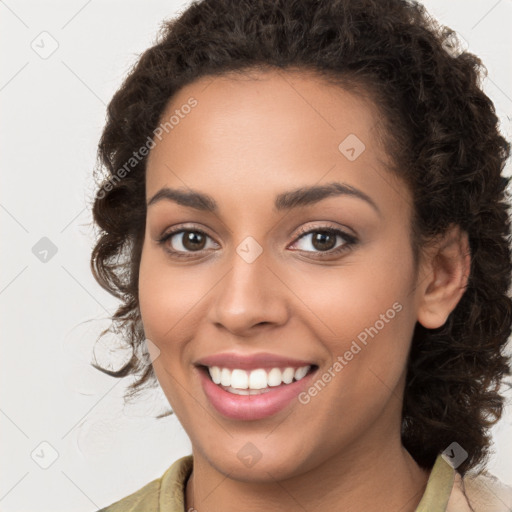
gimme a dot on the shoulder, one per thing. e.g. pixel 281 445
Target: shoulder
pixel 146 498
pixel 166 491
pixel 480 492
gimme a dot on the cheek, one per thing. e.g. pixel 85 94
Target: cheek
pixel 352 297
pixel 367 316
pixel 165 299
pixel 366 328
pixel 166 296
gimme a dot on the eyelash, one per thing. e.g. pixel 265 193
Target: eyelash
pixel 350 240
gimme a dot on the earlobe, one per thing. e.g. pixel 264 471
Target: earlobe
pixel 446 272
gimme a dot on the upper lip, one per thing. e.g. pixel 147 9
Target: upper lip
pixel 264 360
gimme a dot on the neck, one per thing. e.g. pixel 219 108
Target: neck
pixel 383 480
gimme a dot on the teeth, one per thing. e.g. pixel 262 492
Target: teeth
pixel 247 391
pixel 301 372
pixel 215 374
pixel 288 375
pixel 275 377
pixel 256 379
pixel 225 377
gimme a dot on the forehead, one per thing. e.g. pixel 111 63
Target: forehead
pixel 261 132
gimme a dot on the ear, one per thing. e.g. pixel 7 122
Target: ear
pixel 445 271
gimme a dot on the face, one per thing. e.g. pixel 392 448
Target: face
pixel 272 278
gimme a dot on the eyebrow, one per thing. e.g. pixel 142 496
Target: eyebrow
pixel 296 198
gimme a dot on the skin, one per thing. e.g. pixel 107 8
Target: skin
pixel 246 141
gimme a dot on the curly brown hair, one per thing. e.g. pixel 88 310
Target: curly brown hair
pixel 443 140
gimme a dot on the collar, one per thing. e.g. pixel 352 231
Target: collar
pixel 435 498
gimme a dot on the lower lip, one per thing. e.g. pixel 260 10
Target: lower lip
pixel 252 407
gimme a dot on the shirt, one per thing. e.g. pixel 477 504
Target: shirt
pixel 444 492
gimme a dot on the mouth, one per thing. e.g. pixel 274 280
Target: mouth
pixel 255 394
pixel 255 382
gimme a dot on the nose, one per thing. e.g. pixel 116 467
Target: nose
pixel 249 296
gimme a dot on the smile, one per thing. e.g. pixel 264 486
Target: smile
pixel 255 394
pixel 242 382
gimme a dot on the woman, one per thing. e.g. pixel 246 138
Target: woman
pixel 305 219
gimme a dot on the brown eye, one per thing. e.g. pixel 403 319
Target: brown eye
pixel 324 241
pixel 184 242
pixel 193 240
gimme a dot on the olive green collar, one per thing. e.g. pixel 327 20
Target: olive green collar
pixel 439 487
pixel 435 498
pixel 168 492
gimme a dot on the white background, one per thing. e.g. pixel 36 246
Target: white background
pixel 53 111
